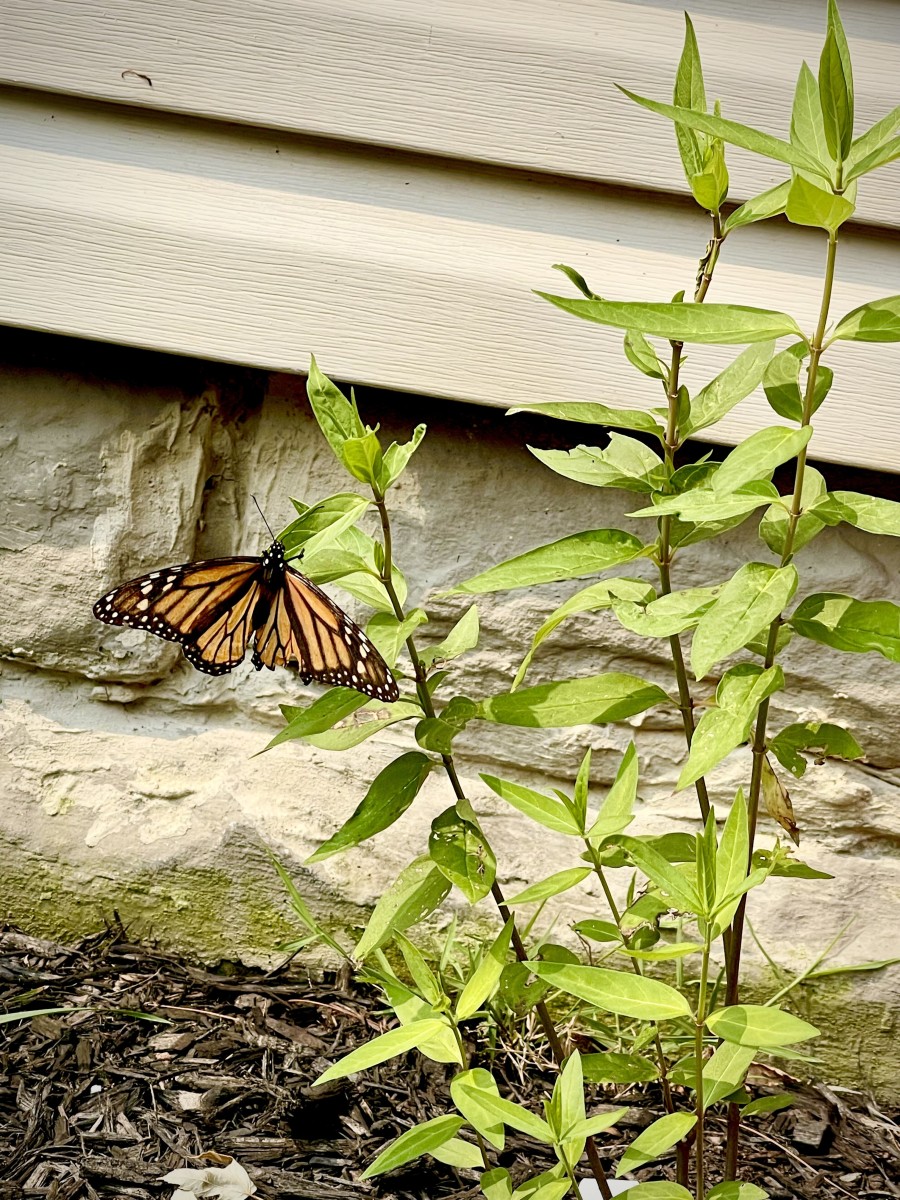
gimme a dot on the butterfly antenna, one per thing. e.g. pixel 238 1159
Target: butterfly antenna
pixel 263 515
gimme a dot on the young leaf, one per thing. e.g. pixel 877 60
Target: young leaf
pixel 590 599
pixel 409 1007
pixel 397 456
pixel 322 714
pixel 591 1126
pixel 690 93
pixel 345 737
pixel 712 324
pixel 641 355
pixel 736 134
pixel 777 801
pixel 484 980
pixel 768 1104
pixel 758 456
pixel 808 204
pixel 615 991
pixel 760 208
pixel 301 908
pixel 758 1025
pixel 732 385
pixel 831 741
pixel 655 1140
pixel 577 278
pixel 807 124
pixel 554 885
pixel 625 463
pixel 417 891
pixel 738 696
pixel 496 1184
pixel 459 1154
pixel 617 811
pixel 733 853
pixel 422 975
pixel 733 1190
pixel 836 87
pixel 669 879
pixel 458 849
pixel 670 614
pixel 362 458
pixel 582 788
pixel 773 528
pixel 877 321
pixel 613 1067
pixel 389 634
pixel 337 417
pixel 462 637
pixel 421 1139
pixel 724 1072
pixel 754 596
pixel 857 626
pixel 321 524
pixel 544 809
pixel 467 1090
pixel 389 796
pixel 513 1115
pixel 588 413
pixel 879 157
pixel 585 553
pixel 660 1191
pixel 593 700
pixel 380 1049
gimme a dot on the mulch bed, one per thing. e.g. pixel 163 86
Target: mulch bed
pixel 99 1104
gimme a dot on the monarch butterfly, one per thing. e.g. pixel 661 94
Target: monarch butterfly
pixel 218 607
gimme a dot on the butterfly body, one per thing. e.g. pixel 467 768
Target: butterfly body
pixel 219 608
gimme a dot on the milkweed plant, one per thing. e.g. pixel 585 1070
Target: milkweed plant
pixel 688 1032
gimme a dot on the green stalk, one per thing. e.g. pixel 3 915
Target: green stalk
pixel 425 700
pixel 464 1060
pixel 733 950
pixel 699 1128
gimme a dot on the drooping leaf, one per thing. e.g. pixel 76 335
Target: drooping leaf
pixel 830 741
pixel 775 523
pixel 462 637
pixel 459 850
pixel 809 204
pixel 669 614
pixel 585 553
pixel 397 456
pixel 593 700
pixel 738 696
pixel 871 513
pixel 777 801
pixel 640 353
pixel 856 626
pixel 389 634
pixel 322 714
pixel 389 796
pixel 363 459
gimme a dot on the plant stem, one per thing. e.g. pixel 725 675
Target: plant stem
pixel 699 1145
pixel 464 1061
pixel 638 970
pixel 733 950
pixel 425 700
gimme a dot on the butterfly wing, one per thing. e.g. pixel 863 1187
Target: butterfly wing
pixel 305 627
pixel 206 606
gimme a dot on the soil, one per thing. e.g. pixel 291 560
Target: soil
pixel 164 1060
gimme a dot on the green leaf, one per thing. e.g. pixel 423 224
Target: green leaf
pixel 459 850
pixel 732 385
pixel 590 599
pixel 513 1115
pixel 397 456
pixel 879 157
pixel 596 414
pixel 733 854
pixel 758 1025
pixel 735 134
pixel 422 975
pixel 483 982
pixel 496 1184
pixel 625 463
pixel 781 382
pixel 660 1191
pixel 554 885
pixel 836 87
pixel 808 204
pixel 615 991
pixel 389 634
pixel 768 1104
pixel 337 417
pixel 362 458
pixel 591 1126
pixel 594 700
pixel 421 1139
pixel 643 357
pixel 575 277
pixel 617 811
pixel 774 526
pixel 345 737
pixel 655 1140
pixel 417 891
pixel 598 931
pixel 877 321
pixel 767 204
pixel 871 513
pixel 712 324
pixel 876 135
pixel 663 953
pixel 690 93
pixel 807 124
pixel 467 1090
pixel 461 638
pixel 585 553
pixel 856 626
pixel 409 1007
pixel 581 790
pixel 380 1049
pixel 437 733
pixel 831 741
pixel 670 614
pixel 459 1154
pixel 758 456
pixel 26 1014
pixel 544 809
pixel 301 908
pixel 322 524
pixel 732 1190
pixel 389 796
pixel 724 1072
pixel 613 1067
pixel 322 714
pixel 669 879
pixel 704 504
pixel 853 968
pixel 738 696
pixel 754 596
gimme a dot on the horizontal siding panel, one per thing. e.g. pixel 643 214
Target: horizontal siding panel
pixel 232 245
pixel 520 83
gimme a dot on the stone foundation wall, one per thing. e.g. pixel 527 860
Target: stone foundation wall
pixel 128 779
